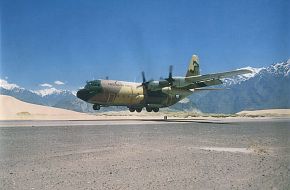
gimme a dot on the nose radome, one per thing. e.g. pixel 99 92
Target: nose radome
pixel 83 94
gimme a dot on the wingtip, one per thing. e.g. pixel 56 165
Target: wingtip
pixel 245 71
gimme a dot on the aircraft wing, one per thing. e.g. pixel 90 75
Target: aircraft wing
pixel 215 76
pixel 207 80
pixel 193 82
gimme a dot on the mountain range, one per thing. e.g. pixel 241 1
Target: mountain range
pixel 265 88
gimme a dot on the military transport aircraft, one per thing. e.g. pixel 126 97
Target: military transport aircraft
pixel 151 94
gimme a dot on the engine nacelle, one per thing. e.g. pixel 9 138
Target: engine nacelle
pixel 154 85
pixel 139 98
pixel 167 90
pixel 175 92
pixel 180 82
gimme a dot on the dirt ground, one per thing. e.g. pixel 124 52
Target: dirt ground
pixel 158 155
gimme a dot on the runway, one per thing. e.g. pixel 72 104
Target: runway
pixel 144 154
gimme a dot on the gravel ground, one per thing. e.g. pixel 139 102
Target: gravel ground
pixel 185 155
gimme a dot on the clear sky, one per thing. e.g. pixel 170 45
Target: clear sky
pixel 77 40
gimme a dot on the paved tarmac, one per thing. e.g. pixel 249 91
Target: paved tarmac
pixel 145 155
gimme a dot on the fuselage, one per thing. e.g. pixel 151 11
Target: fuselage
pixel 151 94
pixel 121 93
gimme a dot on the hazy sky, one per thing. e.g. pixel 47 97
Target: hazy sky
pixel 77 40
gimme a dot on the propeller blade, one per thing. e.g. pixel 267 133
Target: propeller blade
pixel 170 71
pixel 143 77
pixel 144 82
pixel 170 79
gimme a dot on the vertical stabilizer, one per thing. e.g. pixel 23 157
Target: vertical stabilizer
pixel 193 68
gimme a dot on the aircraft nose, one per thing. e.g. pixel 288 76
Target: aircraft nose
pixel 83 94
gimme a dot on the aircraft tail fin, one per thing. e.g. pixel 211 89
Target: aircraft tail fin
pixel 193 68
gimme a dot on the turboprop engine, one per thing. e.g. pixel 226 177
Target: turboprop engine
pixel 153 85
pixel 174 91
pixel 180 82
pixel 177 82
pixel 164 85
pixel 157 85
pixel 139 98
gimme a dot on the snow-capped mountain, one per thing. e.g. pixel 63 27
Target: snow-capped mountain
pixel 47 91
pixel 265 88
pixel 48 96
pixel 18 92
pixel 5 85
pixel 278 69
pixel 240 78
pixel 282 68
pixel 8 86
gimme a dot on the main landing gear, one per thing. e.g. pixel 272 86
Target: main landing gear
pixel 96 107
pixel 155 109
pixel 135 109
pixel 148 109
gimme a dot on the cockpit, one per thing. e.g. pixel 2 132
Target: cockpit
pixel 91 89
pixel 93 84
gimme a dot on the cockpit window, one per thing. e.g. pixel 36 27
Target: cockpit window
pixel 94 83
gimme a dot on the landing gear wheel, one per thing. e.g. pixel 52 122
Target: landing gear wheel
pixel 131 109
pixel 148 109
pixel 139 110
pixel 155 109
pixel 96 107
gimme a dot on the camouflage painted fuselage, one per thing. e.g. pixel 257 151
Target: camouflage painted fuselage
pixel 121 93
pixel 152 95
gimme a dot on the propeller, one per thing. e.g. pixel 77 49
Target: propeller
pixel 170 79
pixel 162 83
pixel 144 82
pixel 170 71
pixel 143 77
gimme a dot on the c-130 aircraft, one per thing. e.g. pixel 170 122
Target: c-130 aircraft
pixel 152 94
